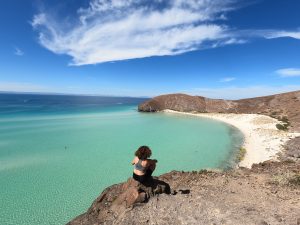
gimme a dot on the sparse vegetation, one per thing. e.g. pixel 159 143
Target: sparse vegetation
pixel 280 179
pixel 286 179
pixel 285 123
pixel 281 127
pixel 294 180
pixel 202 171
pixel 284 119
pixel 241 154
pixel 273 114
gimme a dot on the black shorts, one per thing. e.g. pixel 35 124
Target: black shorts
pixel 143 178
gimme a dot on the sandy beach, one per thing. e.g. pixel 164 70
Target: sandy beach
pixel 262 140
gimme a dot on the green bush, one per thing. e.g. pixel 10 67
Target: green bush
pixel 286 179
pixel 241 154
pixel 282 126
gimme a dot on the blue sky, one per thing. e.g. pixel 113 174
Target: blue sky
pixel 216 48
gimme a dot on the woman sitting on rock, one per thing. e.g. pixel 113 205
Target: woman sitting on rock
pixel 143 166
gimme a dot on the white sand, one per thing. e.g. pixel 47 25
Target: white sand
pixel 262 139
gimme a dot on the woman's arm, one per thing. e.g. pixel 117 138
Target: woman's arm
pixel 153 160
pixel 150 162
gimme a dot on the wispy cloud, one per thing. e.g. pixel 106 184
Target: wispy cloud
pixel 227 79
pixel 245 36
pixel 234 92
pixel 113 30
pixel 18 51
pixel 279 34
pixel 289 72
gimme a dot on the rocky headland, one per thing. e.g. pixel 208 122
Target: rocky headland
pixel 281 106
pixel 266 193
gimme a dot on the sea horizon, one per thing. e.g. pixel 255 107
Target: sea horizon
pixel 71 94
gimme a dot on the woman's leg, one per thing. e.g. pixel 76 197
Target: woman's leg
pixel 139 178
pixel 150 170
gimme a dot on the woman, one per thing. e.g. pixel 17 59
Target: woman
pixel 143 166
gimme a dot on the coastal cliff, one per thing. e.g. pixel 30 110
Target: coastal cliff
pixel 277 106
pixel 267 193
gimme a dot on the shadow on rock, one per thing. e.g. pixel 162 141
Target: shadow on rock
pixel 153 187
pixel 184 192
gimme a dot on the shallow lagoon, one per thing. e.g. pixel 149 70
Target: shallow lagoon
pixel 55 162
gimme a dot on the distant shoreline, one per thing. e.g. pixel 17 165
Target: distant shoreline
pixel 262 140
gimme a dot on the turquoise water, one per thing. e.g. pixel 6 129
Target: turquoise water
pixel 54 163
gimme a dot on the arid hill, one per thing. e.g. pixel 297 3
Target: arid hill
pixel 277 106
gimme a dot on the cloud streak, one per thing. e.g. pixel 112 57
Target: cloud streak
pixel 289 72
pixel 18 52
pixel 114 30
pixel 227 79
pixel 281 34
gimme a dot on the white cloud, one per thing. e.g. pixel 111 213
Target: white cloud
pixel 227 79
pixel 289 72
pixel 280 34
pixel 233 92
pixel 18 51
pixel 112 30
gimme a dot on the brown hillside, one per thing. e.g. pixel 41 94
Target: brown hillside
pixel 277 106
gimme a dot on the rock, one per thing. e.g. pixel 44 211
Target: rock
pixel 292 147
pixel 135 192
pixel 263 223
pixel 206 200
pixel 116 199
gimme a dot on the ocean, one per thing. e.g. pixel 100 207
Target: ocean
pixel 57 153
